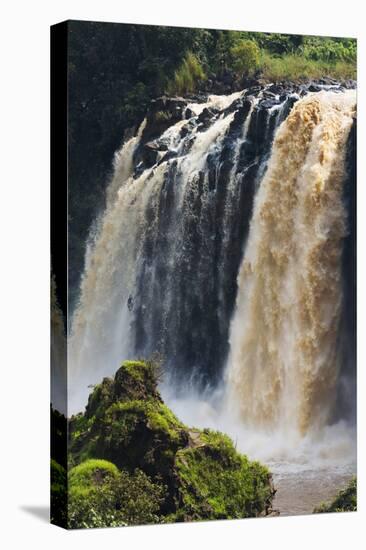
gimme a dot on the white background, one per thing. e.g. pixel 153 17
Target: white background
pixel 24 289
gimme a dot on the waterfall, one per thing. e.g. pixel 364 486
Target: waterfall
pixel 284 359
pixel 137 250
pixel 162 263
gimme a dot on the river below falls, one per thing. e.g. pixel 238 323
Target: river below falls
pixel 300 491
pixel 306 471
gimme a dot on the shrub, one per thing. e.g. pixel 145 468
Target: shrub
pixel 102 496
pixel 245 56
pixel 329 50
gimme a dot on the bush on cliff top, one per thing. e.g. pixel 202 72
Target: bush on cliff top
pixel 245 56
pixel 184 474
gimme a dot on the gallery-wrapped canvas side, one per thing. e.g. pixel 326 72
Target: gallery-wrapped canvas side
pixel 59 274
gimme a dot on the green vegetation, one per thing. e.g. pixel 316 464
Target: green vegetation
pixel 209 490
pixel 345 501
pixel 102 496
pixel 187 77
pixel 298 67
pixel 245 56
pixel 89 472
pixel 135 462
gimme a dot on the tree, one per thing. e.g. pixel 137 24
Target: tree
pixel 245 56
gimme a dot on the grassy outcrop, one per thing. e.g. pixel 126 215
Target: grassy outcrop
pixel 216 482
pixel 133 461
pixel 102 496
pixel 345 500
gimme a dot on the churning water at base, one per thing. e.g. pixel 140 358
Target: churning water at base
pixel 224 254
pixel 307 470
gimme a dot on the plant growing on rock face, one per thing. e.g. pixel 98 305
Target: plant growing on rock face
pixel 245 56
pixel 216 482
pixel 345 501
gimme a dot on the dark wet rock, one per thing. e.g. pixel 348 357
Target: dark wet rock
pixel 228 77
pixel 247 82
pixel 234 106
pixel 168 155
pixel 205 118
pixel 188 113
pixel 206 115
pixel 184 131
pixel 268 103
pixel 314 88
pixel 163 112
pixel 269 95
pixel 240 115
pixel 149 153
pixel 276 89
pixel 253 90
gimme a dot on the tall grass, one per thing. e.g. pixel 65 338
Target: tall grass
pixel 187 77
pixel 297 67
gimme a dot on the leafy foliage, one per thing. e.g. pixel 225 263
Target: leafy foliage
pixel 329 49
pixel 101 496
pixel 245 56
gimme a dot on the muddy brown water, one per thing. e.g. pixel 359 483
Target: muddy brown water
pixel 299 492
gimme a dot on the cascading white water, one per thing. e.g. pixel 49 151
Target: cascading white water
pixel 100 334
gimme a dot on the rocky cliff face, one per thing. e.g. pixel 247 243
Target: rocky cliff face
pixel 128 430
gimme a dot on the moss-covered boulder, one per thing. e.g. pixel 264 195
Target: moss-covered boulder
pixel 216 482
pixel 344 501
pixel 91 474
pixel 204 477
